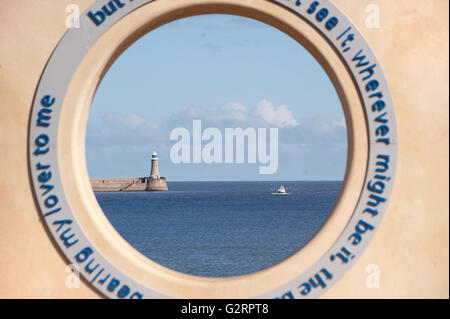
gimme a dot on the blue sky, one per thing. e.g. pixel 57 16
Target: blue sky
pixel 227 71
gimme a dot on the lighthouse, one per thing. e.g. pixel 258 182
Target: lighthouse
pixel 154 173
pixel 156 183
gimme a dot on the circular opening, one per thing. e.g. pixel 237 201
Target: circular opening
pixel 205 76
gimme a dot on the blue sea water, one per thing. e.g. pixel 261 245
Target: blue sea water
pixel 221 229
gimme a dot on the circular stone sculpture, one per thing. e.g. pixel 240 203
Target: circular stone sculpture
pixel 51 76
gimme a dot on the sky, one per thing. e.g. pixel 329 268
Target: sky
pixel 228 72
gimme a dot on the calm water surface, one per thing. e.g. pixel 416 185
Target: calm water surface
pixel 220 229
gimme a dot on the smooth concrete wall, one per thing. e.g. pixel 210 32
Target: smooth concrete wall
pixel 411 248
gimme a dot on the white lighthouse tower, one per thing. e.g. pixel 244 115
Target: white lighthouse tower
pixel 155 182
pixel 154 173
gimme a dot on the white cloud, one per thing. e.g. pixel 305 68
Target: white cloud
pixel 235 114
pixel 235 111
pixel 230 113
pixel 340 123
pixel 321 126
pixel 280 117
pixel 122 129
pixel 133 130
pixel 129 121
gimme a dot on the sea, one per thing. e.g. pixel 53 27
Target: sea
pixel 221 229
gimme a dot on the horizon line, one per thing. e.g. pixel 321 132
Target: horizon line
pixel 286 180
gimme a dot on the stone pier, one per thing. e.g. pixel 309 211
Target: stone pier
pixel 153 183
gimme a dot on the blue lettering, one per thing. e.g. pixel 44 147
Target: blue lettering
pixel 107 10
pixel 111 10
pixel 360 228
pixel 61 223
pixel 102 281
pixel 344 255
pixel 119 4
pixel 360 59
pixel 382 130
pixel 363 226
pixel 39 166
pixel 47 101
pixel 41 141
pixel 136 295
pixel 381 119
pixel 377 200
pixel 331 23
pixel 47 187
pixel 317 282
pixel 355 238
pixel 378 95
pixel 322 14
pixel 88 267
pixel 51 201
pixel 44 177
pixel 371 211
pixel 66 238
pixel 383 164
pixel 372 85
pixel 313 7
pixel 123 292
pixel 84 254
pixel 43 120
pixel 377 187
pixel 369 70
pixel 98 17
pixel 52 212
pixel 305 289
pixel 113 284
pixel 378 105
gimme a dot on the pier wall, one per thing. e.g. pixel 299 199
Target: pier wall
pixel 128 184
pixel 118 184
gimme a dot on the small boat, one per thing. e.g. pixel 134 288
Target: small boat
pixel 281 190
